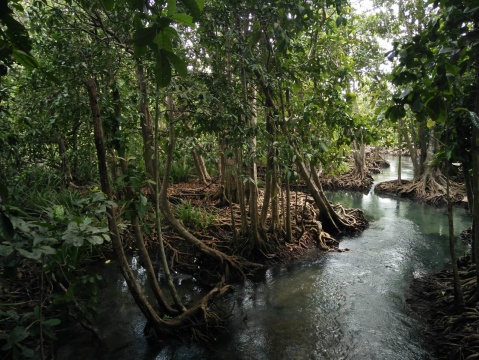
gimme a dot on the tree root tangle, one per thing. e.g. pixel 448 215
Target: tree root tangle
pixel 430 189
pixel 452 332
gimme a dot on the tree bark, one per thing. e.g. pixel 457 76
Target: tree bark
pixel 475 178
pixel 201 170
pixel 135 290
pixel 458 295
pixel 329 218
pixel 145 119
pixel 65 163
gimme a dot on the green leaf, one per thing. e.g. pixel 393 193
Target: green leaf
pixel 6 250
pixel 141 206
pixel 436 108
pixel 395 112
pixel 164 38
pixel 430 123
pixel 405 93
pixel 178 64
pixel 144 36
pixel 25 59
pixel 108 4
pixel 52 322
pixel 35 254
pixel 162 70
pixel 171 8
pixel 95 240
pixel 341 21
pixel 474 119
pixel 6 228
pixel 183 19
pixel 47 250
pixel 194 7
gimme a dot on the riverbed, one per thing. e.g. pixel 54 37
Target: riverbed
pixel 340 305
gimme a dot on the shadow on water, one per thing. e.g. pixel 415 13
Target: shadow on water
pixel 348 305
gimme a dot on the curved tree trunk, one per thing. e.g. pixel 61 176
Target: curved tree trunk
pixel 330 220
pixel 132 284
pixel 192 317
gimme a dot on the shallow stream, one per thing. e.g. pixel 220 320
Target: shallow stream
pixel 348 305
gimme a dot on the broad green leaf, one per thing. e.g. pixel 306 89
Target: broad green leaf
pixel 95 240
pixel 164 38
pixel 162 70
pixel 194 7
pixel 395 112
pixel 144 36
pixel 178 64
pixel 430 123
pixel 35 254
pixel 405 93
pixel 6 250
pixel 26 351
pixel 183 19
pixel 171 8
pixel 52 322
pixel 141 206
pixel 25 59
pixel 6 228
pixel 436 108
pixel 47 250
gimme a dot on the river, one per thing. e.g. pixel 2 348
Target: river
pixel 340 305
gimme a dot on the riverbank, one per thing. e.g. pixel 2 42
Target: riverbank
pixel 452 332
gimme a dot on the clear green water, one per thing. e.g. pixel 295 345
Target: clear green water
pixel 348 305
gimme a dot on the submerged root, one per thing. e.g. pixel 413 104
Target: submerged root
pixel 201 323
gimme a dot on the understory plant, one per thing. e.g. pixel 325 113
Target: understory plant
pixel 49 253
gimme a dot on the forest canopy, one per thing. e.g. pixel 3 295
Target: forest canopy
pixel 108 109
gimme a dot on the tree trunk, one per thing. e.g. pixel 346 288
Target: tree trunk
pixel 458 295
pixel 135 290
pixel 330 220
pixel 65 165
pixel 475 179
pixel 195 315
pixel 203 175
pixel 145 119
pixel 131 194
pixel 224 260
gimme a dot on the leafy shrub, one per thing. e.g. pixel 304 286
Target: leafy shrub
pixel 57 243
pixel 181 171
pixel 193 217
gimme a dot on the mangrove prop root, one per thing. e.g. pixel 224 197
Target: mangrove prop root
pixel 451 330
pixel 427 189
